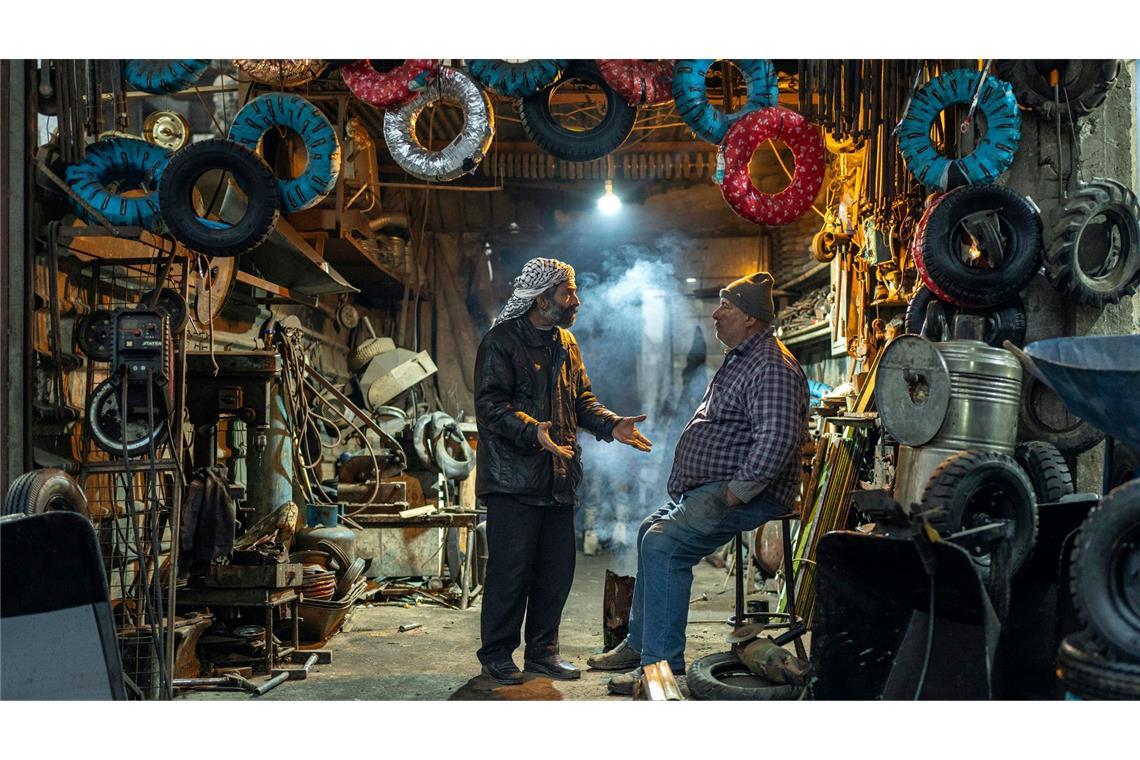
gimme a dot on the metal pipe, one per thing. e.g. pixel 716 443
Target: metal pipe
pixel 390 219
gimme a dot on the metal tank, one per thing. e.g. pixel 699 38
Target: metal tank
pixel 942 398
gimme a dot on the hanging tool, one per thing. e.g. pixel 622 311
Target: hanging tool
pixel 974 100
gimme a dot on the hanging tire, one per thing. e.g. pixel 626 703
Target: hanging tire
pixel 992 216
pixel 691 98
pixel 111 169
pixel 1105 573
pixel 993 154
pixel 516 80
pixel 1096 275
pixel 464 153
pixel 742 141
pixel 322 149
pixel 1088 673
pixel 388 89
pixel 281 72
pixel 568 145
pixel 1083 84
pixel 641 83
pixel 724 677
pixel 1043 416
pixel 972 488
pixel 1047 470
pixel 1005 322
pixel 164 76
pixel 250 173
pixel 42 491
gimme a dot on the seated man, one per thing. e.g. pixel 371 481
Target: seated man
pixel 736 466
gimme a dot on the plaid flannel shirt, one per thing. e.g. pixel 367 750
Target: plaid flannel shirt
pixel 749 427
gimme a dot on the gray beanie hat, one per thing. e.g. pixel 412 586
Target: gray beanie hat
pixel 753 296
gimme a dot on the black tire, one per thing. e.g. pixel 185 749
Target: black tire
pixel 1047 470
pixel 249 172
pixel 107 426
pixel 1004 322
pixel 42 491
pixel 970 488
pixel 1089 674
pixel 545 131
pixel 938 252
pixel 1043 416
pixel 1085 83
pixel 1105 572
pixel 724 677
pixel 1102 275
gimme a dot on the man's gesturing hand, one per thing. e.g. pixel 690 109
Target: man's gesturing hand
pixel 545 442
pixel 626 431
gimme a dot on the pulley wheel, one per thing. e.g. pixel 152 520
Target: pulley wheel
pixel 912 389
pixel 208 293
pixel 171 302
pixel 111 427
pixel 96 335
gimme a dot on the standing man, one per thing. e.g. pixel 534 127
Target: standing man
pixel 736 466
pixel 531 395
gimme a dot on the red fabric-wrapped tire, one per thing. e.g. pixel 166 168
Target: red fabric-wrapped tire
pixel 391 88
pixel 807 147
pixel 641 83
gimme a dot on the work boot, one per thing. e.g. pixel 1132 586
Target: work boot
pixel 623 684
pixel 621 657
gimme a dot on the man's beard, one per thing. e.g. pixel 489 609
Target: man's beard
pixel 560 316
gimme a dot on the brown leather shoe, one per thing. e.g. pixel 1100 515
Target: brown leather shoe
pixel 621 657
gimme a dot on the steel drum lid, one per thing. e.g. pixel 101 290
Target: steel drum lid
pixel 1097 376
pixel 912 389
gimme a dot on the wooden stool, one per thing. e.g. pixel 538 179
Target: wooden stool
pixel 795 629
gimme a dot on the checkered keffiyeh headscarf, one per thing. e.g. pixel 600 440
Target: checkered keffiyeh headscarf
pixel 538 276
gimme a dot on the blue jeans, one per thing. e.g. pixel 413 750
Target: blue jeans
pixel 669 543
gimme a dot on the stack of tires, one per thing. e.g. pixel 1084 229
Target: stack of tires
pixel 1103 660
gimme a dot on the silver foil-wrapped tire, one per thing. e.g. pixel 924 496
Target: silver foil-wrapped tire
pixel 464 153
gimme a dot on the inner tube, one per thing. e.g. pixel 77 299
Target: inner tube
pixel 989 159
pixel 322 150
pixel 1082 85
pixel 390 88
pixel 744 138
pixel 516 80
pixel 111 169
pixel 641 83
pixel 692 101
pixel 463 154
pixel 164 76
pixel 281 72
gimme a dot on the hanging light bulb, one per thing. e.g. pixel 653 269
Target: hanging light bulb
pixel 609 203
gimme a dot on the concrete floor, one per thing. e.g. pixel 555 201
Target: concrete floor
pixel 374 661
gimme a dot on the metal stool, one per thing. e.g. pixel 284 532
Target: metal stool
pixel 795 628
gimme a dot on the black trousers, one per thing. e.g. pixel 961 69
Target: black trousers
pixel 530 567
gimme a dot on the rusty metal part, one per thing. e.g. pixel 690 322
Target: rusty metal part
pixel 210 287
pixel 912 389
pixel 768 660
pixel 282 72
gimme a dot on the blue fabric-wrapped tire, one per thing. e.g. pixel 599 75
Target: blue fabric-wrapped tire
pixel 164 76
pixel 515 80
pixel 692 101
pixel 993 154
pixel 113 168
pixel 321 146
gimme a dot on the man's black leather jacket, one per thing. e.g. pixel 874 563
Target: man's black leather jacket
pixel 524 376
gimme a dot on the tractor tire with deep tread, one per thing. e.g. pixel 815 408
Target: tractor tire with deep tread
pixel 938 244
pixel 250 173
pixel 1084 84
pixel 545 131
pixel 1099 199
pixel 1105 573
pixel 962 476
pixel 42 491
pixel 1047 470
pixel 706 681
